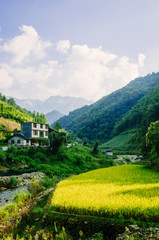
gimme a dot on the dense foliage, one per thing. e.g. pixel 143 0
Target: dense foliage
pixel 151 151
pixel 142 114
pixel 67 161
pixel 57 139
pixel 97 122
pixel 10 111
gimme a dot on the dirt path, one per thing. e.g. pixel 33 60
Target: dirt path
pixel 126 159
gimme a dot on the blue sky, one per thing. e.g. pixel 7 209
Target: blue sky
pixel 82 48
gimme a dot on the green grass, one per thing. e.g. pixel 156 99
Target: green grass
pixel 12 208
pixel 129 191
pixel 124 141
pixel 67 161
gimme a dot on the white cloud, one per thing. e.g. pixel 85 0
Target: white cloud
pixel 92 73
pixel 25 46
pixel 63 46
pixel 84 72
pixel 5 80
pixel 141 59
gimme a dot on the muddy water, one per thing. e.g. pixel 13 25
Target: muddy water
pixel 8 195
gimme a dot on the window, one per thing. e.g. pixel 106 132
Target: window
pixel 46 126
pixel 27 141
pixel 34 125
pixel 35 132
pixel 18 141
pixel 41 125
pixel 41 134
pixel 12 142
pixel 46 133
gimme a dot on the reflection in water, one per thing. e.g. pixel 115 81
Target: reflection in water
pixel 8 195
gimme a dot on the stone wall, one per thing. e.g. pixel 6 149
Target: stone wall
pixel 23 179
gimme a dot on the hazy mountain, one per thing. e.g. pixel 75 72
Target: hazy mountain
pixel 61 104
pixel 97 121
pixel 53 116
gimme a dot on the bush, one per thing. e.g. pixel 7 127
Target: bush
pixel 40 157
pixel 50 182
pixel 13 182
pixel 35 187
pixel 12 149
pixel 21 197
pixel 3 157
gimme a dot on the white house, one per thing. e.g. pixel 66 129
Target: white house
pixel 29 134
pixel 19 140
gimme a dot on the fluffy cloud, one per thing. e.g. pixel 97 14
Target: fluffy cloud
pixel 63 46
pixel 26 45
pixel 92 73
pixel 141 59
pixel 5 80
pixel 84 72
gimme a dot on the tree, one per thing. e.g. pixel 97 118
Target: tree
pixel 57 126
pixel 11 102
pixel 57 139
pixel 4 99
pixel 152 142
pixel 95 148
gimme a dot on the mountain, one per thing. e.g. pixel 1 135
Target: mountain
pixel 61 104
pixel 53 116
pixel 130 131
pixel 98 121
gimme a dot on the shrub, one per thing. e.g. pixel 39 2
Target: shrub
pixel 21 197
pixel 12 149
pixel 13 182
pixel 50 182
pixel 35 187
pixel 40 157
pixel 3 157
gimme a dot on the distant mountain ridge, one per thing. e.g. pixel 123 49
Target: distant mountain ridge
pixel 98 121
pixel 53 116
pixel 61 104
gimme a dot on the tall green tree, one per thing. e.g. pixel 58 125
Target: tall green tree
pixel 152 142
pixel 57 139
pixel 57 126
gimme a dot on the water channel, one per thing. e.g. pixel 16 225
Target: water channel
pixel 7 196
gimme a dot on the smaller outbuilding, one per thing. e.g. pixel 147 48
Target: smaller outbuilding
pixel 108 152
pixel 18 139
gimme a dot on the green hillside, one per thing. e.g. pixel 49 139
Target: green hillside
pixel 12 115
pixel 130 131
pixel 97 122
pixel 142 114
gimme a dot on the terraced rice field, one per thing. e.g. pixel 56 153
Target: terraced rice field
pixel 121 191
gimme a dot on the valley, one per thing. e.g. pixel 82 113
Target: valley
pixel 84 193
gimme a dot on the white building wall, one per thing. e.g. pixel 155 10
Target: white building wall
pixel 18 141
pixel 36 129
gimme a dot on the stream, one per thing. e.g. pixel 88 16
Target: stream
pixel 7 196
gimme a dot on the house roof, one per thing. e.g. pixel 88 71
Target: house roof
pixel 18 135
pixel 36 123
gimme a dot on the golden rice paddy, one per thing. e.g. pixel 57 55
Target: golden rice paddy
pixel 121 191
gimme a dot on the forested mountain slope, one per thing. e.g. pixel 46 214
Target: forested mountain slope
pixel 131 131
pixel 97 121
pixel 141 115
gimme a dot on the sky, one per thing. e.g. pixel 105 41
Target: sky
pixel 78 48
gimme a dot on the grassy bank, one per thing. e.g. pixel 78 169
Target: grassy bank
pixel 126 141
pixel 66 162
pixel 128 191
